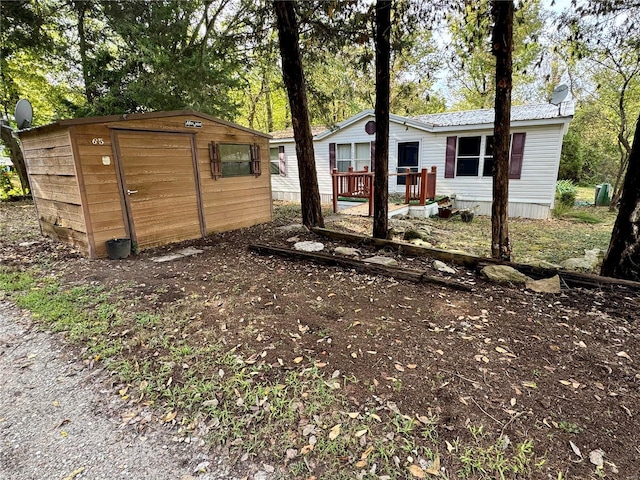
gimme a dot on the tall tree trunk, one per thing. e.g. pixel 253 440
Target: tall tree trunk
pixel 11 142
pixel 381 178
pixel 293 76
pixel 623 257
pixel 502 47
pixel 89 87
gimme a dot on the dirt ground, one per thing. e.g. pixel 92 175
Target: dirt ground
pixel 559 369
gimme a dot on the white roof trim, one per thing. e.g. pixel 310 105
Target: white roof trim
pixel 370 113
pixel 563 118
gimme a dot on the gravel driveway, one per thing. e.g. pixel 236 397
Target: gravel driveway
pixel 59 421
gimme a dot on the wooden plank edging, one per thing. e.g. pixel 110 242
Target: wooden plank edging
pixel 413 275
pixel 571 278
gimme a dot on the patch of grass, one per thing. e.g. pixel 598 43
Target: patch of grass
pixel 499 459
pixel 585 217
pixel 551 240
pixel 15 281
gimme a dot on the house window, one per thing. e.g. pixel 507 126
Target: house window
pixel 274 161
pixel 468 157
pixel 356 155
pixel 363 156
pixel 487 169
pixel 463 154
pixel 344 157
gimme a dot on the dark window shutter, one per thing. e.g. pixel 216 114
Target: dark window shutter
pixel 214 158
pixel 255 160
pixel 517 152
pixel 373 156
pixel 332 157
pixel 450 158
pixel 283 165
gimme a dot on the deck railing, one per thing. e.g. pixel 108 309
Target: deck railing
pixel 419 186
pixel 353 184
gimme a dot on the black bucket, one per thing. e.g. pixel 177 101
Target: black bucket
pixel 119 248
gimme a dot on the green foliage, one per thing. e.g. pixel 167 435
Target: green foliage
pixel 472 65
pixel 9 185
pixel 567 192
pixel 606 65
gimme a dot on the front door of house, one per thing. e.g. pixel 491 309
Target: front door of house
pixel 160 186
pixel 408 157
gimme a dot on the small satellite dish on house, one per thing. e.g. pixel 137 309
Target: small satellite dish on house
pixel 559 94
pixel 24 114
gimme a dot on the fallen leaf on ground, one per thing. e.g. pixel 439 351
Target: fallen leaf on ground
pixel 624 355
pixel 366 453
pixel 169 416
pixel 335 431
pixel 575 449
pixel 416 471
pixel 360 433
pixel 297 360
pixel 435 468
pixel 596 457
pixel 306 449
pixel 400 368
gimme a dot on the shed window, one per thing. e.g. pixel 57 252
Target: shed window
pixel 234 160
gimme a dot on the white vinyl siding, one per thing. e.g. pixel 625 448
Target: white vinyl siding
pixel 530 196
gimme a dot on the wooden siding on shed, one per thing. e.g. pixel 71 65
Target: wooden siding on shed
pixel 101 188
pixel 54 186
pixel 78 192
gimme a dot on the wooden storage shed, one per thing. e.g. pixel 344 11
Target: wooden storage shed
pixel 155 178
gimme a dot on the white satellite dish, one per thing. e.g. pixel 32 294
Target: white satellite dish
pixel 559 94
pixel 24 114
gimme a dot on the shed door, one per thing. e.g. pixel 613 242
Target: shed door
pixel 160 187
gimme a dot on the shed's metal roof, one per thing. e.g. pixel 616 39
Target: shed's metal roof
pixel 486 116
pixel 139 116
